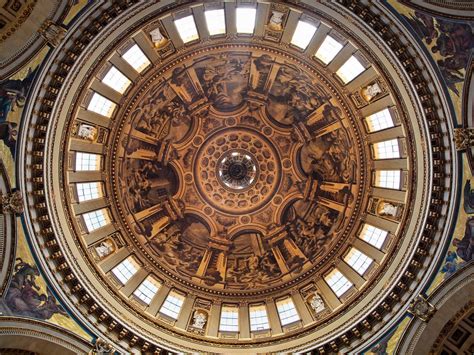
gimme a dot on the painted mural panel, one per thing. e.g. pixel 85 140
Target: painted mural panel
pixel 28 294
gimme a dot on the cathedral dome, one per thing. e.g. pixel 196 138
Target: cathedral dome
pixel 233 177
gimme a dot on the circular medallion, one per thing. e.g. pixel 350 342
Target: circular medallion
pixel 237 171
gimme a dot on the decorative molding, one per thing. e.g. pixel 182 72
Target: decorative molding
pixel 60 339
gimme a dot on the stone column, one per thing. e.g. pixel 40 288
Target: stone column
pixel 158 300
pixel 214 318
pixel 185 312
pixel 273 317
pixel 113 260
pixel 301 307
pixel 244 321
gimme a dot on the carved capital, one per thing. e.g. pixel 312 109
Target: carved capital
pixel 102 347
pixel 463 138
pixel 52 33
pixel 11 202
pixel 422 309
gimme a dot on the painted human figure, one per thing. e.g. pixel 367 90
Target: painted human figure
pixel 465 246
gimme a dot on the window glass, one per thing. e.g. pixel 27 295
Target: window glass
pixel 95 219
pixel 101 105
pixel 125 270
pixel 87 161
pixel 172 305
pixel 258 318
pixel 389 179
pixel 147 289
pixel 387 149
pixel 215 20
pixel 373 235
pixel 136 58
pixel 350 69
pixel 116 80
pixel 229 319
pixel 88 191
pixel 338 282
pixel 380 120
pixel 304 32
pixel 245 19
pixel 187 28
pixel 328 50
pixel 287 311
pixel 358 261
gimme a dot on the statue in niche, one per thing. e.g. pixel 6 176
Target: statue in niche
pixel 370 91
pixel 276 21
pixel 388 209
pixel 157 38
pixel 199 319
pixel 317 303
pixel 105 248
pixel 87 132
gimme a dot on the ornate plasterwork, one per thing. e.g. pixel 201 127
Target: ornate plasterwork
pixel 41 333
pixel 87 299
pixel 9 206
pixel 422 309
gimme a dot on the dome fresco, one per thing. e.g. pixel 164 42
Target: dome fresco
pixel 238 177
pixel 298 173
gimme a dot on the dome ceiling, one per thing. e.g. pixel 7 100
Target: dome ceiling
pixel 229 175
pixel 245 189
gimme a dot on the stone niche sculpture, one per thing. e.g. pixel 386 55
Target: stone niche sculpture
pixel 317 303
pixel 157 38
pixel 199 319
pixel 371 91
pixel 104 248
pixel 388 209
pixel 276 21
pixel 87 132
